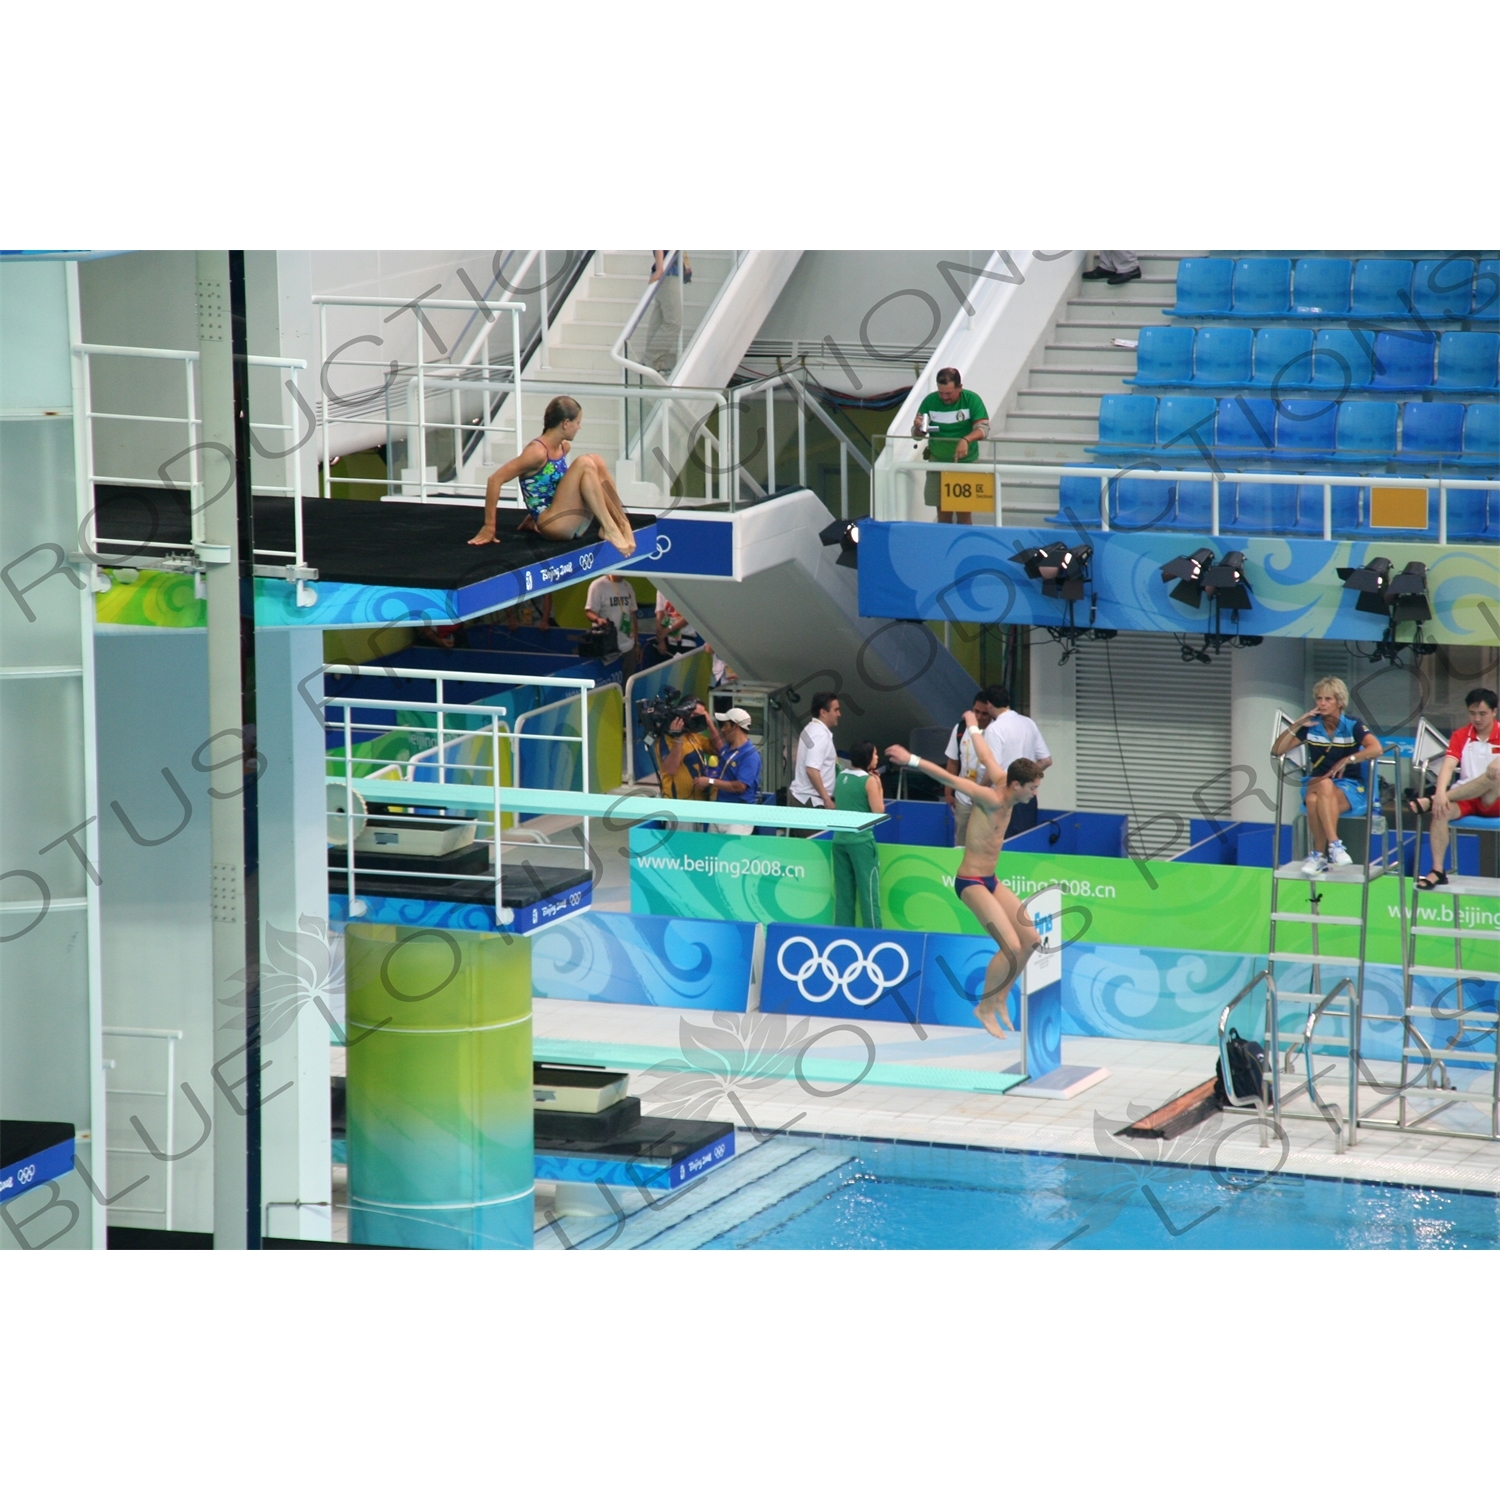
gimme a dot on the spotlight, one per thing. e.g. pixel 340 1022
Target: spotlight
pixel 845 536
pixel 1062 569
pixel 1370 582
pixel 1406 595
pixel 1189 570
pixel 1400 597
pixel 1226 584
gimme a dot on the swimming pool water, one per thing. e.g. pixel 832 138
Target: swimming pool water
pixel 898 1196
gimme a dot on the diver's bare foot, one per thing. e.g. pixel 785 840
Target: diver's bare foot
pixel 992 1024
pixel 622 542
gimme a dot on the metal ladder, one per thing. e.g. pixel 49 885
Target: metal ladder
pixel 1339 997
pixel 1424 1075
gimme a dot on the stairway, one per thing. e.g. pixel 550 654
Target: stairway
pixel 1055 416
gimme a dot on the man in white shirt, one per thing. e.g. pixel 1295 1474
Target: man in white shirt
pixel 817 760
pixel 1011 736
pixel 613 599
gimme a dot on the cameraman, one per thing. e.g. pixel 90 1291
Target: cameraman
pixel 737 779
pixel 692 743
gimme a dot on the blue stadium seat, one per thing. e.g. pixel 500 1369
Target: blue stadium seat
pixel 1305 429
pixel 1349 508
pixel 1283 358
pixel 1142 504
pixel 1443 288
pixel 1267 508
pixel 1165 357
pixel 1432 432
pixel 1223 356
pixel 1365 432
pixel 1195 506
pixel 1381 288
pixel 1320 287
pixel 1482 436
pixel 1342 360
pixel 1262 287
pixel 1246 427
pixel 1127 423
pixel 1077 501
pixel 1403 360
pixel 1486 291
pixel 1185 424
pixel 1204 287
pixel 1473 515
pixel 1468 362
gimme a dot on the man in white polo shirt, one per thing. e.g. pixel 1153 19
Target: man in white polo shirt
pixel 1010 736
pixel 817 760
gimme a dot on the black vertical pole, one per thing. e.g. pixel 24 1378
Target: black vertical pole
pixel 240 354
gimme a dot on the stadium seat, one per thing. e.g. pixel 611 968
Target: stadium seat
pixel 1443 288
pixel 1077 501
pixel 1262 287
pixel 1365 432
pixel 1127 423
pixel 1186 425
pixel 1164 357
pixel 1283 358
pixel 1223 356
pixel 1432 432
pixel 1204 287
pixel 1473 515
pixel 1142 504
pixel 1305 429
pixel 1486 291
pixel 1342 360
pixel 1246 427
pixel 1403 360
pixel 1350 506
pixel 1320 287
pixel 1482 436
pixel 1194 510
pixel 1381 289
pixel 1266 508
pixel 1468 362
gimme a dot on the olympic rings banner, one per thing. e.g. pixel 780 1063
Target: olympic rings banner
pixel 843 971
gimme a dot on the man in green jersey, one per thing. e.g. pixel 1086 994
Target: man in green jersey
pixel 952 420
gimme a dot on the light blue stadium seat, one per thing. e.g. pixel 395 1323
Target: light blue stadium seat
pixel 1164 357
pixel 1380 289
pixel 1077 501
pixel 1224 357
pixel 1262 287
pixel 1486 292
pixel 1342 360
pixel 1482 435
pixel 1143 504
pixel 1473 515
pixel 1283 358
pixel 1305 429
pixel 1468 362
pixel 1127 423
pixel 1266 508
pixel 1443 288
pixel 1349 509
pixel 1195 506
pixel 1320 287
pixel 1183 423
pixel 1246 427
pixel 1365 432
pixel 1403 360
pixel 1432 432
pixel 1204 287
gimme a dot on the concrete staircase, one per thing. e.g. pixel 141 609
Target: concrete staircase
pixel 1055 416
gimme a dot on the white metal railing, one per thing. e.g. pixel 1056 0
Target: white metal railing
pixel 890 474
pixel 345 716
pixel 167 1154
pixel 171 555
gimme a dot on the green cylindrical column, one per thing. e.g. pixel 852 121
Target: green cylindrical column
pixel 439 1088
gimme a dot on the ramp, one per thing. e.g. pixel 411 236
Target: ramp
pixel 788 614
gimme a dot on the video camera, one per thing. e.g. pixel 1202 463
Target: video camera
pixel 655 715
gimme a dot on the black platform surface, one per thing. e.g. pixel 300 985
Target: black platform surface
pixel 519 885
pixel 21 1139
pixel 654 1139
pixel 387 543
pixel 560 1130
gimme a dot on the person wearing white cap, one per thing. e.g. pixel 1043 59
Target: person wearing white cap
pixel 736 778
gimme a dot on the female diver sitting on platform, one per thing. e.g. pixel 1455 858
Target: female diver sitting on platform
pixel 560 498
pixel 999 910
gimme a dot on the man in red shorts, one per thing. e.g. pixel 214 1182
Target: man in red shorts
pixel 1474 752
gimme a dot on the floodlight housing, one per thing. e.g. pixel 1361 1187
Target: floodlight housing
pixel 1189 570
pixel 1406 595
pixel 845 536
pixel 1225 582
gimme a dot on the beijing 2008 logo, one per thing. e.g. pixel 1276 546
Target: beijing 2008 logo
pixel 866 967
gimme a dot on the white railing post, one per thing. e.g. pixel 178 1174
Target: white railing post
pixel 421 418
pixel 546 346
pixel 1213 506
pixel 1327 512
pixel 770 438
pixel 1442 513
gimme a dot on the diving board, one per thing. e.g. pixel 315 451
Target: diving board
pixel 618 807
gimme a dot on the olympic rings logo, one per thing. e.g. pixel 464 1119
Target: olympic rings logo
pixel 663 546
pixel 862 966
pixel 26 1173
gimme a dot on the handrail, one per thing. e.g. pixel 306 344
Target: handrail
pixel 1264 976
pixel 617 349
pixel 1330 1112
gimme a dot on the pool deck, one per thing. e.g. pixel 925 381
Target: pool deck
pixel 1142 1076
